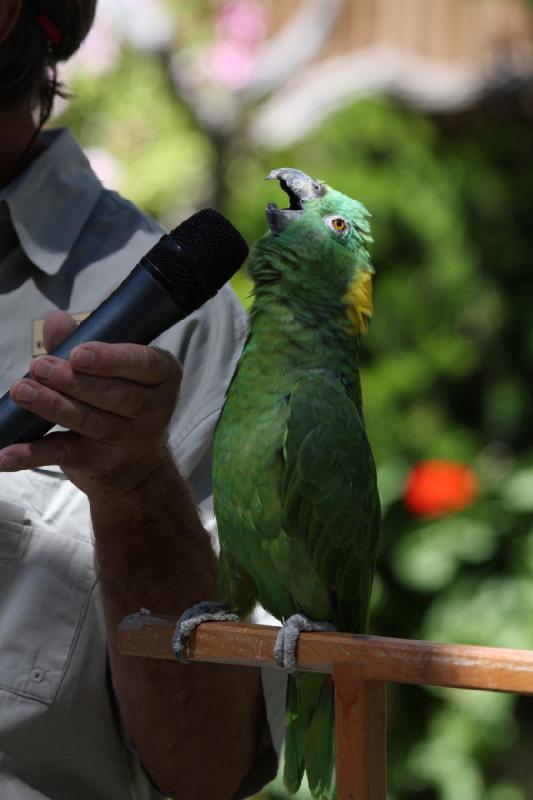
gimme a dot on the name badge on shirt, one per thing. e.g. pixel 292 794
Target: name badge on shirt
pixel 37 341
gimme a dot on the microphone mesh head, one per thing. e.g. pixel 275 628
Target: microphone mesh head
pixel 198 257
pixel 213 247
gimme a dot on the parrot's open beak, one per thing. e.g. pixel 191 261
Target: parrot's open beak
pixel 299 187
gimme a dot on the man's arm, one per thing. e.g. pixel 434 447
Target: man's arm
pixel 152 552
pixel 196 728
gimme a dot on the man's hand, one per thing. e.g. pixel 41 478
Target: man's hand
pixel 116 400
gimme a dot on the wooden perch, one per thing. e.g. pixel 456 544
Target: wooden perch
pixel 361 667
pixel 375 657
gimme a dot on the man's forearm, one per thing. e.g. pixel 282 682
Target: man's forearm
pixel 152 551
pixel 150 541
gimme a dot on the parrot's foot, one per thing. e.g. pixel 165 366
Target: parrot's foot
pixel 287 639
pixel 205 611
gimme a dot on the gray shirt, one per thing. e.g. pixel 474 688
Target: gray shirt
pixel 66 242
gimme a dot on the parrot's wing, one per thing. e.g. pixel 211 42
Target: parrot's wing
pixel 329 493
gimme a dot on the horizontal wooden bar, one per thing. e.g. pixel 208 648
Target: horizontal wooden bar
pixel 378 658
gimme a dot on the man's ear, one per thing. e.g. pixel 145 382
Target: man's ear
pixel 9 14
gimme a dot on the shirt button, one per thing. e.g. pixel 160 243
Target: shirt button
pixel 37 675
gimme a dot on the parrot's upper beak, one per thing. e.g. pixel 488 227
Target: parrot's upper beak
pixel 300 188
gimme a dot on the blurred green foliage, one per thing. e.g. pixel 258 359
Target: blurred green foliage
pixel 446 371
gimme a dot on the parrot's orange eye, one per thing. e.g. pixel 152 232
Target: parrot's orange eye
pixel 337 224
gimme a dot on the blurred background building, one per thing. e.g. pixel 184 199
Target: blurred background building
pixel 439 56
pixel 449 31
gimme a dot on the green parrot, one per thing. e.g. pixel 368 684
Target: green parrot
pixel 295 490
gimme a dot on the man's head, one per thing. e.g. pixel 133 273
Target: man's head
pixel 34 36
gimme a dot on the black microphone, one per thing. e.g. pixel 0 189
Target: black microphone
pixel 179 274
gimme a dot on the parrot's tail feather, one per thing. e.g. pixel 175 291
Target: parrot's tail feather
pixel 310 734
pixel 320 744
pixel 295 727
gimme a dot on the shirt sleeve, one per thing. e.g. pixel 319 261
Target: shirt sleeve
pixel 208 344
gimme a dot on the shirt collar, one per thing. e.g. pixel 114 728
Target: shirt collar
pixel 51 201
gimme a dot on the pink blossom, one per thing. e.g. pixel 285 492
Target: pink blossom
pixel 230 63
pixel 241 21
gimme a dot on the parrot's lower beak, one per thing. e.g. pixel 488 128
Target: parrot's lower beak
pixel 300 189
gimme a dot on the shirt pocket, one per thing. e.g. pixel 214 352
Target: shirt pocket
pixel 45 584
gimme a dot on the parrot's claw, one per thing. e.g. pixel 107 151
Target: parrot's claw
pixel 205 611
pixel 287 639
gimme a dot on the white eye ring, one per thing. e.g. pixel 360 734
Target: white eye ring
pixel 335 223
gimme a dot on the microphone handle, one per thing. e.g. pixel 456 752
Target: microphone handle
pixel 137 311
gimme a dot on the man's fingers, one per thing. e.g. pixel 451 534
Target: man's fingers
pixel 65 450
pixel 125 398
pixel 90 465
pixel 115 399
pixel 68 412
pixel 57 326
pixel 148 366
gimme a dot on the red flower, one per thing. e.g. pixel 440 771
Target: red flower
pixel 435 488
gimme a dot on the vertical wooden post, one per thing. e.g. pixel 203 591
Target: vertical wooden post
pixel 361 735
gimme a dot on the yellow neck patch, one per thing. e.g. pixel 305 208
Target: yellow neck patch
pixel 358 299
